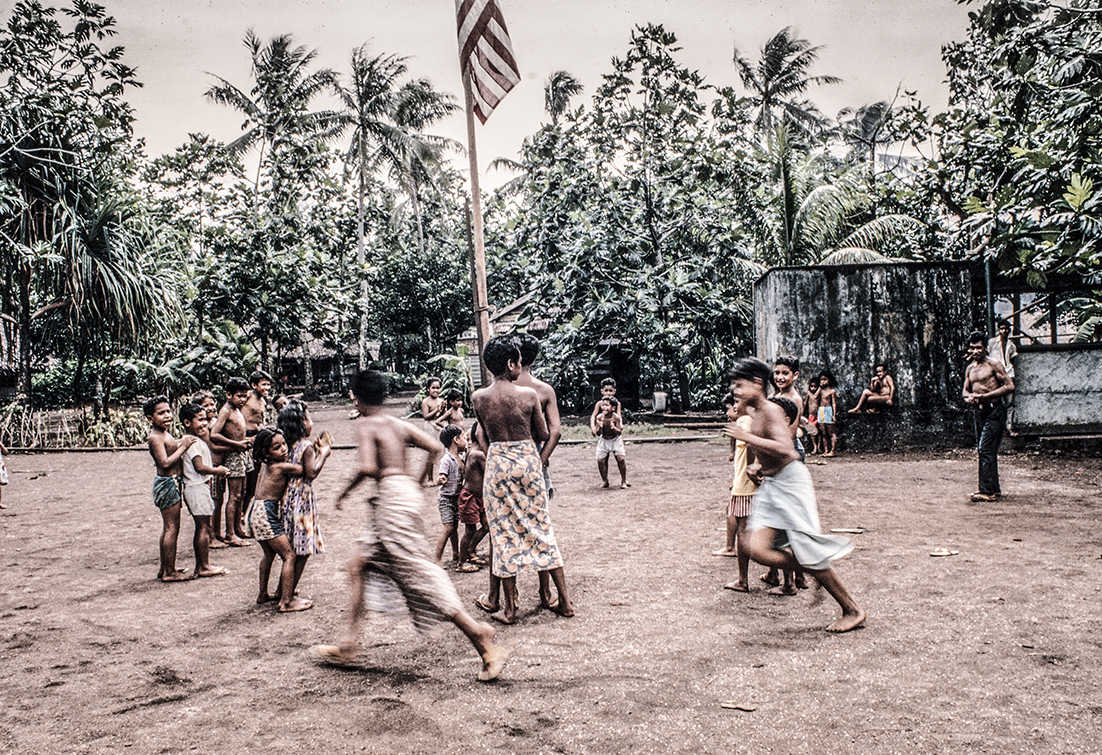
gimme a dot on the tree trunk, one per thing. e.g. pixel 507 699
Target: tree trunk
pixel 307 373
pixel 361 257
pixel 78 374
pixel 25 332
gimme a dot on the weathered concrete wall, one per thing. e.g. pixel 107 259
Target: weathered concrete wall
pixel 1059 389
pixel 913 316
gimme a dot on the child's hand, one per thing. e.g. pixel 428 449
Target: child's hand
pixel 754 473
pixel 189 441
pixel 730 457
pixel 221 472
pixel 731 430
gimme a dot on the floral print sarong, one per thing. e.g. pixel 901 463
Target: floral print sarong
pixel 515 496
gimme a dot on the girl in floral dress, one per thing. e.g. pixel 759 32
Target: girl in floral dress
pixel 300 511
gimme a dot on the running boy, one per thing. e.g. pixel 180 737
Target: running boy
pixel 785 503
pixel 395 551
pixel 448 477
pixel 609 426
pixel 228 432
pixel 198 470
pixel 166 451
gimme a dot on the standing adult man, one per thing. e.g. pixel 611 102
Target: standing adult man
pixel 986 383
pixel 1002 349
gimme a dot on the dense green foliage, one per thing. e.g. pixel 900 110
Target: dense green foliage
pixel 633 224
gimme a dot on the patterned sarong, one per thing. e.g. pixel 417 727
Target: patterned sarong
pixel 166 492
pixel 516 508
pixel 398 562
pixel 786 502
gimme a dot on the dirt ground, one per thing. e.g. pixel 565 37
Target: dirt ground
pixel 997 649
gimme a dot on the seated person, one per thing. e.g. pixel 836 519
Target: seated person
pixel 879 395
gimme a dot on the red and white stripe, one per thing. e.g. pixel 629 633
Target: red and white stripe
pixel 485 54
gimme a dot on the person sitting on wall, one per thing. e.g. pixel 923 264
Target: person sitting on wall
pixel 879 395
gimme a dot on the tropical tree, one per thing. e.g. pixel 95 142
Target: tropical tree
pixel 560 88
pixel 779 79
pixel 866 129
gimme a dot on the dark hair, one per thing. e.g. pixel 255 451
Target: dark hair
pixel 449 434
pixel 729 399
pixel 612 401
pixel 259 375
pixel 199 396
pixel 789 407
pixel 151 405
pixel 529 348
pixel 370 387
pixel 236 385
pixel 750 368
pixel 262 444
pixel 1002 321
pixel 830 378
pixel 608 381
pixel 432 379
pixel 188 412
pixel 790 362
pixel 292 422
pixel 454 395
pixel 497 353
pixel 977 337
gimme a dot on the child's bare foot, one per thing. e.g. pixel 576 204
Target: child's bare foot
pixel 234 542
pixel 180 575
pixel 785 590
pixel 801 582
pixel 847 622
pixel 468 567
pixel 210 571
pixel 565 610
pixel 493 662
pixel 331 655
pixel 604 484
pixel 296 604
pixel 737 586
pixel 725 552
pixel 771 579
pixel 217 542
pixel 624 485
pixel 266 598
pixel 504 618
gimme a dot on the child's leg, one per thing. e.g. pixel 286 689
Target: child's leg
pixel 762 550
pixel 351 638
pixel 833 435
pixel 800 580
pixel 622 463
pixel 300 564
pixel 481 636
pixel 445 536
pixel 454 539
pixel 562 606
pixel 201 545
pixel 287 600
pixel 465 542
pixel 743 551
pixel 508 613
pixel 170 532
pixel 235 487
pixel 602 469
pixel 728 548
pixel 266 558
pixel 853 615
pixel 217 494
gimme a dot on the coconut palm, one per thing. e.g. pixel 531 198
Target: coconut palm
pixel 866 128
pixel 561 86
pixel 386 117
pixel 779 78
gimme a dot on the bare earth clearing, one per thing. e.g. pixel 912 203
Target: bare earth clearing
pixel 997 649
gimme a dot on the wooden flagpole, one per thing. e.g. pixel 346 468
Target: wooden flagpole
pixel 481 307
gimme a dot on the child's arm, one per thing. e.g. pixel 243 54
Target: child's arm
pixel 312 463
pixel 220 439
pixel 593 418
pixel 769 445
pixel 202 468
pixel 425 442
pixel 539 422
pixel 286 468
pixel 617 423
pixel 834 401
pixel 554 428
pixel 3 449
pixel 734 444
pixel 164 459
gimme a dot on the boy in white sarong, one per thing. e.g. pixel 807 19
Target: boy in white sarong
pixel 396 553
pixel 785 502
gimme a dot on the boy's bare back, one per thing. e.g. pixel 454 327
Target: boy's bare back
pixel 273 480
pixel 474 470
pixel 510 412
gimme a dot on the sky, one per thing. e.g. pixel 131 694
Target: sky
pixel 873 45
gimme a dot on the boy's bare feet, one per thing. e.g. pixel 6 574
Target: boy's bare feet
pixel 296 604
pixel 624 485
pixel 265 598
pixel 771 579
pixel 847 622
pixel 725 552
pixel 785 590
pixel 493 661
pixel 801 582
pixel 737 586
pixel 502 618
pixel 331 655
pixel 828 455
pixel 211 571
pixel 180 575
pixel 236 543
pixel 484 604
pixel 217 542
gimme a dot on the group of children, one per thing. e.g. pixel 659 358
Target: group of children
pixel 243 471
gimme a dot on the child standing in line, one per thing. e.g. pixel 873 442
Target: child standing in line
pixel 198 471
pixel 472 512
pixel 609 426
pixel 743 487
pixel 432 406
pixel 729 549
pixel 453 412
pixel 206 400
pixel 811 415
pixel 828 411
pixel 166 451
pixel 300 510
pixel 228 432
pixel 265 519
pixel 448 477
pixel 3 473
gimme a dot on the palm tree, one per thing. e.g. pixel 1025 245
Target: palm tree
pixel 279 102
pixel 560 87
pixel 779 78
pixel 386 118
pixel 866 128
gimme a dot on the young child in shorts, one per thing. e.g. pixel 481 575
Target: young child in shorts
pixel 743 487
pixel 828 412
pixel 198 469
pixel 265 518
pixel 472 512
pixel 449 478
pixel 609 427
pixel 729 549
pixel 608 392
pixel 205 399
pixel 228 432
pixel 167 452
pixel 810 417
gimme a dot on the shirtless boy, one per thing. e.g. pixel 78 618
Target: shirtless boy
pixel 785 503
pixel 985 385
pixel 608 426
pixel 608 390
pixel 432 406
pixel 395 548
pixel 453 409
pixel 879 395
pixel 258 412
pixel 228 432
pixel 167 452
pixel 513 422
pixel 811 415
pixel 828 412
pixel 472 513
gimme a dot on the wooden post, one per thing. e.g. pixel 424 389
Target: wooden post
pixel 474 291
pixel 482 309
pixel 1053 335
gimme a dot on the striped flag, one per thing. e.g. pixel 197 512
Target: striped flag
pixel 485 53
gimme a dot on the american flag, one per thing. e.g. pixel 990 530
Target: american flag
pixel 485 53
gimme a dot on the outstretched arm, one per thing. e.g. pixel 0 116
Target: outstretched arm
pixel 427 443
